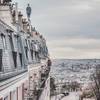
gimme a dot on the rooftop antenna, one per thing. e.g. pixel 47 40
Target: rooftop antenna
pixel 28 11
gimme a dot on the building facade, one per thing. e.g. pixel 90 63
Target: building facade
pixel 24 58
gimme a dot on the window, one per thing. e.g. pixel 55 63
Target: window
pixel 29 44
pixel 31 54
pixel 1 54
pixel 15 58
pixel 26 52
pixel 26 42
pixel 18 43
pixel 11 42
pixel 26 48
pixel 3 41
pixel 20 56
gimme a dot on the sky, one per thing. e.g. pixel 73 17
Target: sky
pixel 71 27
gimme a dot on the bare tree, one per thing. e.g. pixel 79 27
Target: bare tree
pixel 96 82
pixel 52 85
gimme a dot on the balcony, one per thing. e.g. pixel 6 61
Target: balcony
pixel 44 77
pixel 7 75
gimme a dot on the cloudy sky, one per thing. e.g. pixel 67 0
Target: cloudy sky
pixel 71 27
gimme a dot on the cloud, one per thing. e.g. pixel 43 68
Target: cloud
pixel 71 27
pixel 75 48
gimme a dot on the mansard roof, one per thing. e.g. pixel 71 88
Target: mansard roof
pixel 5 26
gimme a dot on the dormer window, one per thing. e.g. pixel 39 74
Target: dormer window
pixel 1 54
pixel 29 45
pixel 3 41
pixel 10 32
pixel 11 42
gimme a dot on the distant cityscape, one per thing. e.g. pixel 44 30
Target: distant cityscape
pixel 65 72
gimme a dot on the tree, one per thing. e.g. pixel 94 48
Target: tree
pixel 96 82
pixel 52 85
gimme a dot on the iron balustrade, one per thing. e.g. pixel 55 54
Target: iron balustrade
pixel 44 77
pixel 7 75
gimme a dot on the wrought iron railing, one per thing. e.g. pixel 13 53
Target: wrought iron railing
pixel 44 77
pixel 10 74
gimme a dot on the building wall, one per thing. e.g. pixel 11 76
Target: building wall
pixel 20 92
pixel 15 93
pixel 46 92
pixel 13 42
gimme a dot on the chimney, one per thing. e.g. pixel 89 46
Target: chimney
pixel 28 27
pixel 24 25
pixel 20 15
pixel 15 13
pixel 13 16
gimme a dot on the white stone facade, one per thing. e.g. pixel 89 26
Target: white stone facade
pixel 22 54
